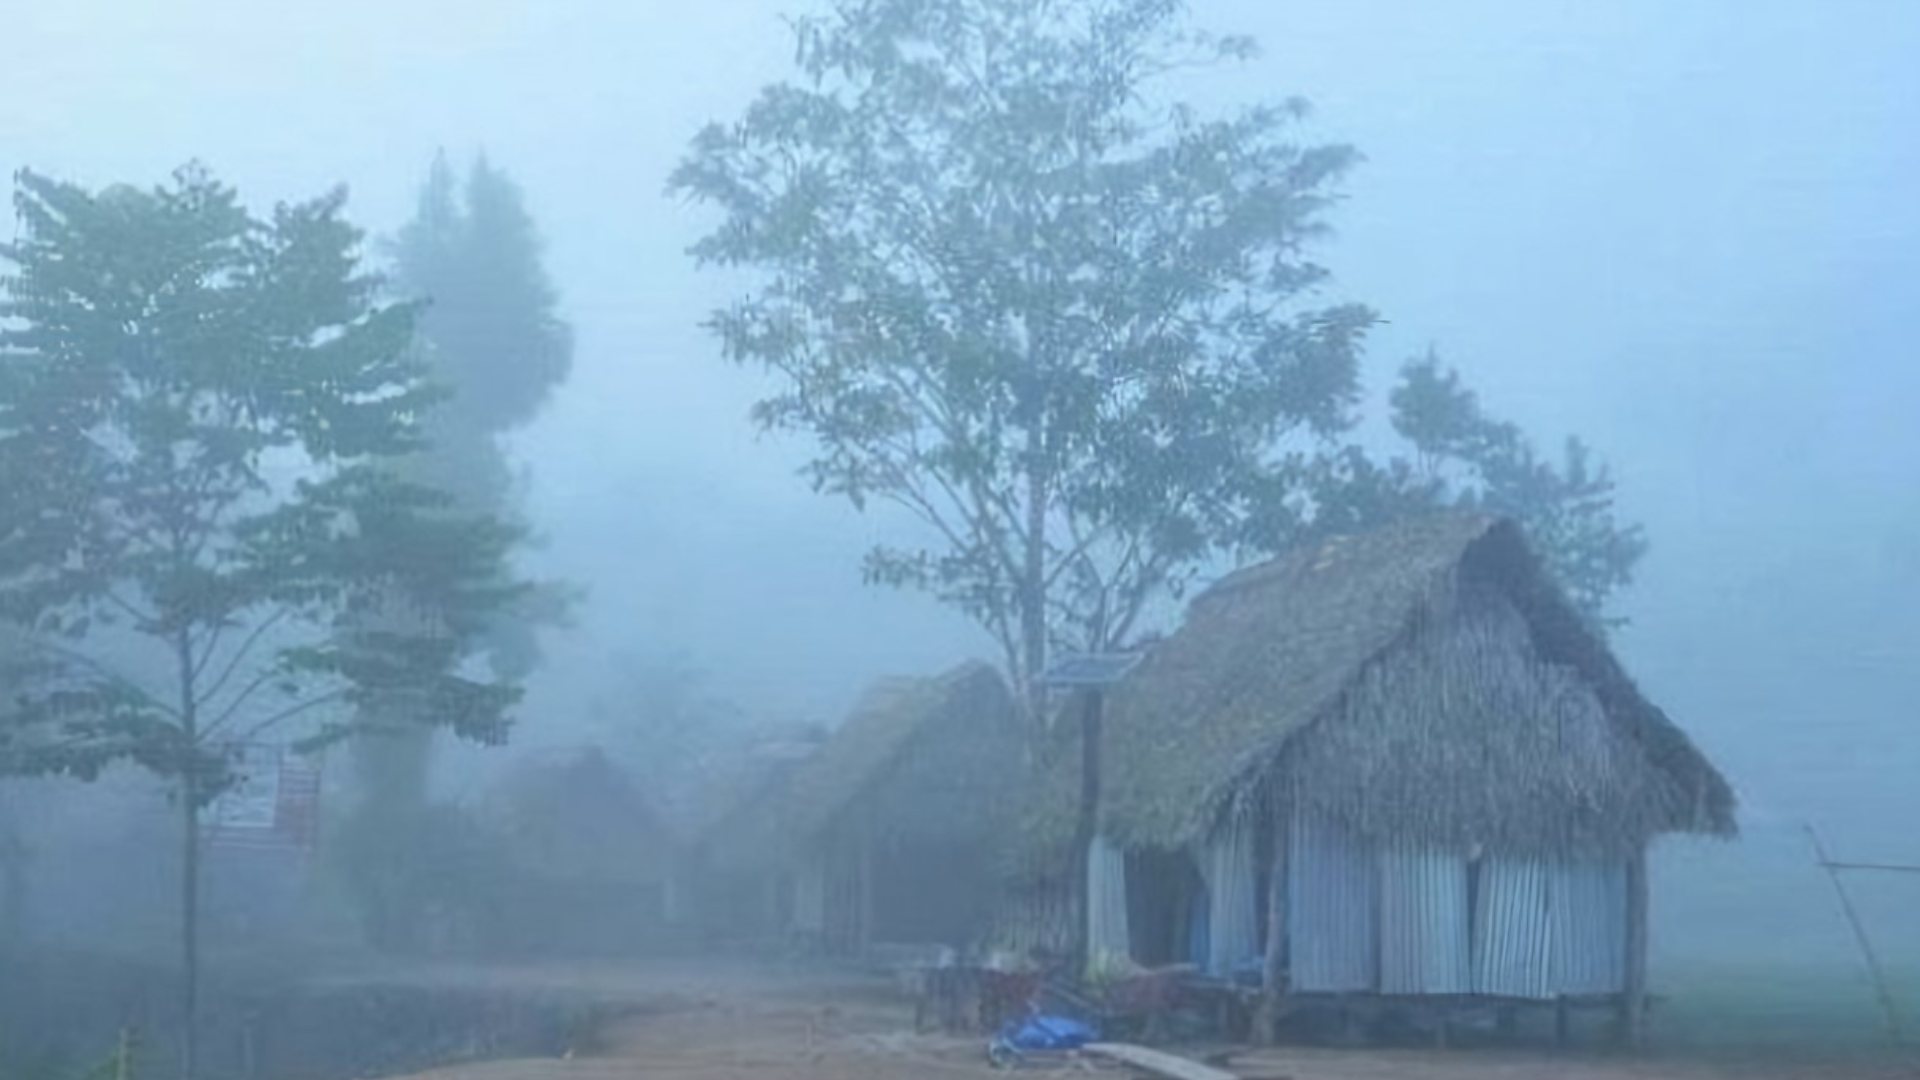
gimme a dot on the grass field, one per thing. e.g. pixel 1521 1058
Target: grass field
pixel 1781 1008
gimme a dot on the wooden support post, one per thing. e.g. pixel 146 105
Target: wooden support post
pixel 1562 1022
pixel 1633 1004
pixel 864 937
pixel 1506 1021
pixel 1086 827
pixel 1266 1023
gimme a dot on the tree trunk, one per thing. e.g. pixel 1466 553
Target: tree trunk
pixel 390 769
pixel 14 854
pixel 189 924
pixel 1033 597
pixel 189 865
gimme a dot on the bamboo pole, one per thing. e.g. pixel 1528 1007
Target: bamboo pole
pixel 1880 985
pixel 1895 868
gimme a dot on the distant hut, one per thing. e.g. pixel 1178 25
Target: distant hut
pixel 1396 764
pixel 719 901
pixel 583 859
pixel 888 834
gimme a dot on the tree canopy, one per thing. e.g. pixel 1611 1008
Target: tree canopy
pixel 1455 454
pixel 198 414
pixel 489 334
pixel 1007 287
pixel 1466 456
pixel 207 537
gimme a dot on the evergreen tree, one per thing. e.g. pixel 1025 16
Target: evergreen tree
pixel 490 337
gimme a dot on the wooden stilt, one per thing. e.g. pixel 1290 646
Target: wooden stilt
pixel 864 937
pixel 1266 1024
pixel 1633 1004
pixel 1506 1020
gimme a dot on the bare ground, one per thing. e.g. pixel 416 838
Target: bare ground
pixel 741 1026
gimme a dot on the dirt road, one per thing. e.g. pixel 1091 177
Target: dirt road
pixel 732 1027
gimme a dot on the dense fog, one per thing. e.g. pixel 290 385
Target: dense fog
pixel 1685 234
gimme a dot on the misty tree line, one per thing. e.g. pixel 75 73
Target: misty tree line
pixel 1070 331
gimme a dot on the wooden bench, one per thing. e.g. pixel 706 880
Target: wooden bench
pixel 1156 1062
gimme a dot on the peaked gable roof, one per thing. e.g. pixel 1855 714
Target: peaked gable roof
pixel 1272 648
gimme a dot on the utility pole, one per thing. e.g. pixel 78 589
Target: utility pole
pixel 1091 674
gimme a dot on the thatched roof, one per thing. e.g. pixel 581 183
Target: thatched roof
pixel 1425 678
pixel 861 759
pixel 577 816
pixel 712 788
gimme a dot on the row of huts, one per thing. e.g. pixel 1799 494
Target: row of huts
pixel 1397 763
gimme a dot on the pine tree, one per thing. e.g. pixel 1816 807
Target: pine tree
pixel 489 336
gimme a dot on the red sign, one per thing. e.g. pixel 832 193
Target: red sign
pixel 274 801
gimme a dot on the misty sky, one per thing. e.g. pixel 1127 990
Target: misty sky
pixel 1688 232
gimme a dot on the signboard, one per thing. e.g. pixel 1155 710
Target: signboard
pixel 253 801
pixel 273 802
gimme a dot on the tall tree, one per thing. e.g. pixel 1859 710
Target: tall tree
pixel 1008 287
pixel 488 333
pixel 207 539
pixel 491 323
pixel 1455 454
pixel 491 336
pixel 1463 455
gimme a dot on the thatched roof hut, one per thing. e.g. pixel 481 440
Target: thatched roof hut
pixel 888 829
pixel 726 796
pixel 721 785
pixel 1427 680
pixel 582 858
pixel 1371 723
pixel 577 816
pixel 871 768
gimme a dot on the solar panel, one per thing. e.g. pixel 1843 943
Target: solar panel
pixel 1090 669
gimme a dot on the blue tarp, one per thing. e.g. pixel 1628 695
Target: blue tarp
pixel 1041 1032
